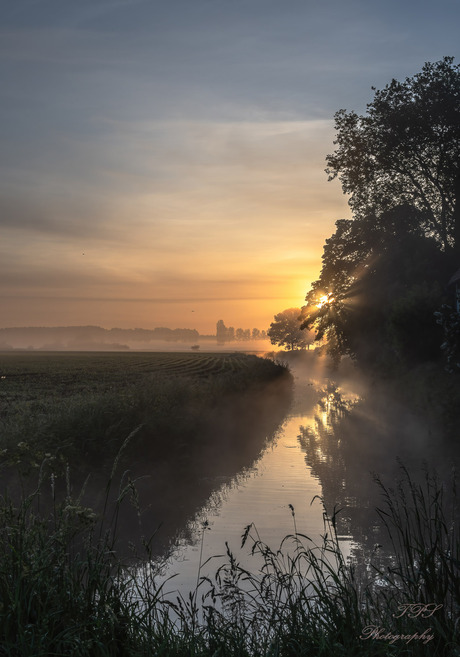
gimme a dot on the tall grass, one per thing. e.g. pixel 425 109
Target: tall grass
pixel 64 590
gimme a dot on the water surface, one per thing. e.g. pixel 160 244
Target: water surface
pixel 338 435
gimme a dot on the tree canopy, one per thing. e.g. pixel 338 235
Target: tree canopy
pixel 406 150
pixel 285 331
pixel 385 271
pixel 378 289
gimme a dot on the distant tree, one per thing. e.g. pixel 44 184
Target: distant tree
pixel 255 334
pixel 4 346
pixel 286 331
pixel 406 149
pixel 239 334
pixel 187 335
pixel 221 331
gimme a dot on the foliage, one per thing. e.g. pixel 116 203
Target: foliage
pixel 449 319
pixel 228 333
pixel 406 149
pixel 285 331
pixel 413 335
pixel 65 591
pixel 380 276
pixel 62 586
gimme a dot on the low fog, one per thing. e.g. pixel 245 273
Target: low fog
pixel 95 338
pixel 355 431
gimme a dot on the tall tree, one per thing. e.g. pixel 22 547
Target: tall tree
pixel 406 150
pixel 379 286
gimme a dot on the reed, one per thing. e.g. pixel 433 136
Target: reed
pixel 64 590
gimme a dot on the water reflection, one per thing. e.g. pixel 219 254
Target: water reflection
pixel 355 439
pixel 174 486
pixel 263 495
pixel 338 436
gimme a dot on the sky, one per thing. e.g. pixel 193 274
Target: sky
pixel 162 163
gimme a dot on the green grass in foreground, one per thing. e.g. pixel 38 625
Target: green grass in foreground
pixel 63 590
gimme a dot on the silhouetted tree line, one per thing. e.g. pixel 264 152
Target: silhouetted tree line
pixel 385 272
pixel 82 336
pixel 229 333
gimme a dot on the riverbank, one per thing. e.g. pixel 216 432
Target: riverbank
pixel 162 418
pixel 434 393
pixel 82 406
pixel 68 587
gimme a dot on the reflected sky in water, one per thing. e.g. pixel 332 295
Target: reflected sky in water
pixel 262 495
pixel 337 436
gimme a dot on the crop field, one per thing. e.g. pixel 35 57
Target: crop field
pixel 28 377
pixel 76 402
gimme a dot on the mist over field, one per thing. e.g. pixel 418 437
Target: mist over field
pixel 95 338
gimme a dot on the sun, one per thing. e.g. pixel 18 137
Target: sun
pixel 325 299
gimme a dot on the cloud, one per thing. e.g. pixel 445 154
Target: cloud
pixel 181 146
pixel 34 215
pixel 174 210
pixel 168 175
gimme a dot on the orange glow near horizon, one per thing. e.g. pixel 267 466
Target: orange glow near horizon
pixel 234 230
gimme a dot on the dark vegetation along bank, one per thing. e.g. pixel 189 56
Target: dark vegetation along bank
pixel 189 417
pixel 65 591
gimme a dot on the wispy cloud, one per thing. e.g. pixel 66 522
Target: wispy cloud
pixel 180 146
